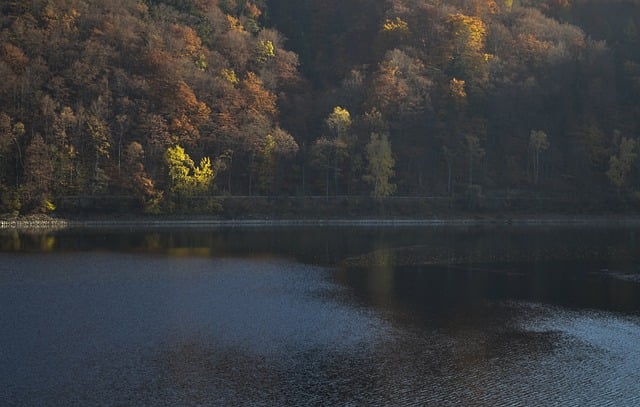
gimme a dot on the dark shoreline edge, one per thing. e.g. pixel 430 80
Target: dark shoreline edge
pixel 197 222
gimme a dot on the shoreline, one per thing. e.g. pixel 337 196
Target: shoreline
pixel 50 223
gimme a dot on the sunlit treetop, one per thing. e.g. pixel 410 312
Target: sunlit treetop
pixel 470 31
pixel 396 24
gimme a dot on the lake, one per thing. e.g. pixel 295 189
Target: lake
pixel 432 315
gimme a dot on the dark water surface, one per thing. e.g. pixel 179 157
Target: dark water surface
pixel 323 316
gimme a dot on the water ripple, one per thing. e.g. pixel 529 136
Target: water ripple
pixel 107 329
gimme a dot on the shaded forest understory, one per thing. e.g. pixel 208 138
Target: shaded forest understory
pixel 183 106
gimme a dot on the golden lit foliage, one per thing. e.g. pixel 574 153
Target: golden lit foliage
pixel 395 25
pixel 185 177
pixel 206 75
pixel 264 51
pixel 339 123
pixel 234 24
pixel 508 4
pixel 229 75
pixel 469 32
pixel 457 89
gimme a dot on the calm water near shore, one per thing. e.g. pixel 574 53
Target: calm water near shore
pixel 438 315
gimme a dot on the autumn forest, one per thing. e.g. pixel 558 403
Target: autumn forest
pixel 163 106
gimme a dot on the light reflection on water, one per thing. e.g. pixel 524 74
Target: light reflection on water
pixel 95 324
pixel 177 322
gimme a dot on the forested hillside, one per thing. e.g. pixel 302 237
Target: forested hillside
pixel 167 103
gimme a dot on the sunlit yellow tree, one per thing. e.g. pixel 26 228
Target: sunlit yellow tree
pixel 469 60
pixel 380 165
pixel 185 178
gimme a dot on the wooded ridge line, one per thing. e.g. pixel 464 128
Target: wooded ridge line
pixel 164 102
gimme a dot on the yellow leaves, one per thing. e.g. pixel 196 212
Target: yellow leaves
pixel 457 88
pixel 234 24
pixel 339 122
pixel 468 57
pixel 229 75
pixel 180 164
pixel 203 175
pixel 395 25
pixel 469 30
pixel 186 178
pixel 508 4
pixel 269 144
pixel 48 205
pixel 201 62
pixel 340 115
pixel 265 50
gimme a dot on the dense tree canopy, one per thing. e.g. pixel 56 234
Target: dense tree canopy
pixel 121 98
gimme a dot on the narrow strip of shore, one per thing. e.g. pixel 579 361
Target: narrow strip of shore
pixel 58 224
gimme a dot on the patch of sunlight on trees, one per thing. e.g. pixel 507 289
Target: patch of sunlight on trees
pixel 396 24
pixel 380 165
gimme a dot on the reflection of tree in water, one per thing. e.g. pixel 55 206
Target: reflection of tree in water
pixel 10 241
pixel 14 241
pixel 380 279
